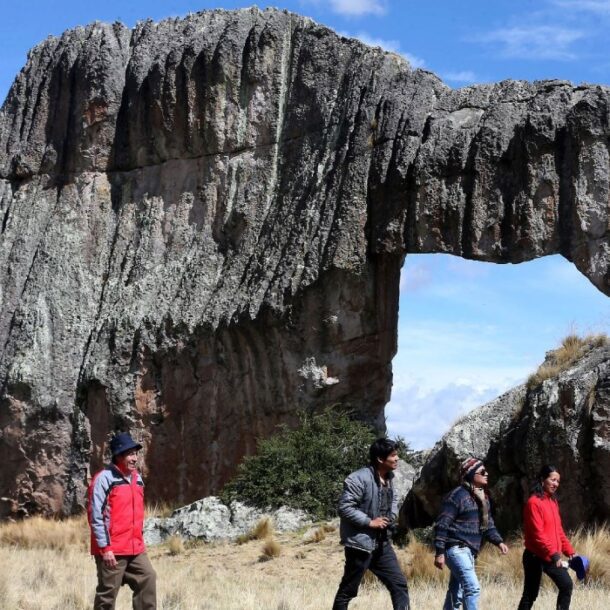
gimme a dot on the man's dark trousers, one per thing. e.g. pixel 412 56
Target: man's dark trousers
pixel 383 563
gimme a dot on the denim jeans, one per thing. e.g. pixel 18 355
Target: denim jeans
pixel 384 564
pixel 464 588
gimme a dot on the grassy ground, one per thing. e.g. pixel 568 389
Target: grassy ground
pixel 45 566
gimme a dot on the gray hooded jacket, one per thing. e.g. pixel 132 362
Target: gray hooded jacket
pixel 359 505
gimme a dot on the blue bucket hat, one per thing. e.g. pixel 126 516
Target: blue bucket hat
pixel 122 442
pixel 580 565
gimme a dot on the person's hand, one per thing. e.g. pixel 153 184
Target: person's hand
pixel 379 523
pixel 503 548
pixel 558 564
pixel 109 559
pixel 439 561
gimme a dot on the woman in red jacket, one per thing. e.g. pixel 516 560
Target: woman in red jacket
pixel 545 541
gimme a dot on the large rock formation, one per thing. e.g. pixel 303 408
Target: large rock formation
pixel 564 421
pixel 203 221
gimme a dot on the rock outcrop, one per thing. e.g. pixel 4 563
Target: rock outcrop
pixel 211 520
pixel 203 221
pixel 564 421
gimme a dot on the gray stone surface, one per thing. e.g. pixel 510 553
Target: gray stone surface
pixel 564 422
pixel 203 221
pixel 211 520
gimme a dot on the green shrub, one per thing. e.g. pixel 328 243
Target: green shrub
pixel 303 468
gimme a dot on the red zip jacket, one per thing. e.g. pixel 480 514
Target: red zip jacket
pixel 542 529
pixel 116 512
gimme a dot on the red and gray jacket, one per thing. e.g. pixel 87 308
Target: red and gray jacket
pixel 116 512
pixel 542 529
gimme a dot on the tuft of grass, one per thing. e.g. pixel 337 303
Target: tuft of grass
pixel 418 564
pixel 595 544
pixel 175 545
pixel 572 349
pixel 271 549
pixel 40 533
pixel 263 529
pixel 159 510
pixel 313 535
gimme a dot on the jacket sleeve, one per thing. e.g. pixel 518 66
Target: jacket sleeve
pixel 491 533
pixel 98 501
pixel 533 518
pixel 349 503
pixel 446 517
pixel 394 509
pixel 566 547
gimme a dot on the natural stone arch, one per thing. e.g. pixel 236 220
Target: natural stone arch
pixel 204 222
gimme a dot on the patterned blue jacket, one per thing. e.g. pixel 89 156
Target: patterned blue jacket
pixel 459 522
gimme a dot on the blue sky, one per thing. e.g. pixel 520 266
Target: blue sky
pixel 467 331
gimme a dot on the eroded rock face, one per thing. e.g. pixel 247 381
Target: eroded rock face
pixel 565 422
pixel 203 223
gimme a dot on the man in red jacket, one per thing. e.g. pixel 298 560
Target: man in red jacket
pixel 116 519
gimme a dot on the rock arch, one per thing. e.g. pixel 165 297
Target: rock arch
pixel 204 220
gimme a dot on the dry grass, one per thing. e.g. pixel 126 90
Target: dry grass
pixel 572 348
pixel 263 529
pixel 228 576
pixel 271 549
pixel 160 510
pixel 313 535
pixel 41 533
pixel 175 545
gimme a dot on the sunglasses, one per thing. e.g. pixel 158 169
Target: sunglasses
pixel 482 472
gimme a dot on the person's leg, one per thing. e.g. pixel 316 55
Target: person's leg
pixel 532 572
pixel 453 599
pixel 384 565
pixel 561 578
pixel 460 560
pixel 109 581
pixel 356 564
pixel 142 580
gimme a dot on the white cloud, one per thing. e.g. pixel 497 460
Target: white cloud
pixel 423 416
pixel 357 8
pixel 415 276
pixel 372 41
pixel 463 76
pixel 535 42
pixel 416 62
pixel 388 45
pixel 598 7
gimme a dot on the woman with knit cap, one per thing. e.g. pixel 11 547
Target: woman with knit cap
pixel 464 521
pixel 545 541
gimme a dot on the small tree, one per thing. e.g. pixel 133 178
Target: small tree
pixel 303 468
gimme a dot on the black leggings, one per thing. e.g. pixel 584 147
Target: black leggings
pixel 533 568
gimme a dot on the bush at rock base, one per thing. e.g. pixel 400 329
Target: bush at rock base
pixel 304 468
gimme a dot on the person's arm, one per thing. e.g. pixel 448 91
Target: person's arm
pixel 566 548
pixel 349 503
pixel 99 530
pixel 493 535
pixel 446 517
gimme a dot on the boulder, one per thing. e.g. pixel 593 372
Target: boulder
pixel 209 519
pixel 562 420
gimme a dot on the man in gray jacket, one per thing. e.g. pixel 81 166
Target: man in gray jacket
pixel 368 508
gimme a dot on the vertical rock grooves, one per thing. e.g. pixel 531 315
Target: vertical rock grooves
pixel 234 196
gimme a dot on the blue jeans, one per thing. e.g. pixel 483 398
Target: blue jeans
pixel 464 588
